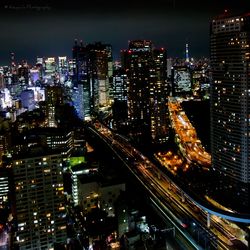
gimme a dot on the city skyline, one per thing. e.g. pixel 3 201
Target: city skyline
pixel 33 29
pixel 97 153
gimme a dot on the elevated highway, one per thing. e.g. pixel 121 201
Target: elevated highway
pixel 172 199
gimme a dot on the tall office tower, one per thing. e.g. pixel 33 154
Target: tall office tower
pixel 110 74
pixel 40 65
pixel 53 97
pixel 79 62
pixel 50 69
pixel 62 65
pixel 230 101
pixel 62 68
pixel 100 73
pixel 78 69
pixel 146 70
pixel 120 79
pixel 158 95
pixel 72 66
pixel 93 76
pixel 40 210
pixel 120 84
pixel 23 73
pixel 13 68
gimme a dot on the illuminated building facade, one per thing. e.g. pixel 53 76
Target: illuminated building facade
pixel 146 68
pixel 181 81
pixel 4 187
pixel 92 75
pixel 51 138
pixel 93 194
pixel 158 97
pixel 230 101
pixel 23 73
pixel 120 85
pixel 120 80
pixel 40 210
pixel 3 145
pixel 13 68
pixel 62 65
pixel 53 97
pixel 34 75
pixel 50 68
pixel 100 73
pixel 28 99
pixel 71 67
pixel 78 69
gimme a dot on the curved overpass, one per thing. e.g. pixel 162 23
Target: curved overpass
pixel 124 147
pixel 203 204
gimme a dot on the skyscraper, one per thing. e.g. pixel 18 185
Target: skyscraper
pixel 63 68
pixel 100 70
pixel 40 210
pixel 53 97
pixel 146 69
pixel 93 76
pixel 50 69
pixel 158 97
pixel 120 110
pixel 81 80
pixel 230 101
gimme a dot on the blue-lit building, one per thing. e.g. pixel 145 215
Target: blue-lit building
pixel 79 68
pixel 92 75
pixel 28 99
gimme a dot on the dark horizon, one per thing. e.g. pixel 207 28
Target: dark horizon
pixel 33 29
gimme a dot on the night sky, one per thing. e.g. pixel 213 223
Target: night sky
pixel 34 28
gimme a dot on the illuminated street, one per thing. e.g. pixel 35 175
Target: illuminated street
pixel 186 136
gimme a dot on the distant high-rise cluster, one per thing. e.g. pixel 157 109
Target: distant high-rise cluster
pixel 135 88
pixel 43 108
pixel 230 101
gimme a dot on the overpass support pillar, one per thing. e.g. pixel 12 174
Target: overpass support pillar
pixel 208 220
